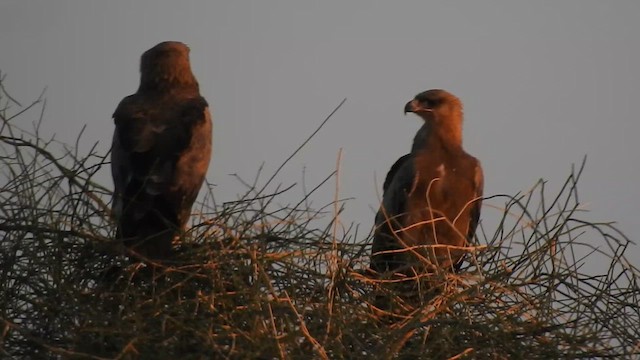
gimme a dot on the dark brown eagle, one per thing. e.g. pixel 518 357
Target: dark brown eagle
pixel 432 196
pixel 160 152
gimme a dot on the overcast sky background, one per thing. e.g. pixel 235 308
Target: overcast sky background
pixel 543 83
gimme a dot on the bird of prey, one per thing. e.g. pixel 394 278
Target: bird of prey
pixel 160 152
pixel 431 196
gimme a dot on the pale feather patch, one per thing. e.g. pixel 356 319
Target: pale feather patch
pixel 441 172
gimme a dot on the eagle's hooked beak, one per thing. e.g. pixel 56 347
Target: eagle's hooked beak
pixel 409 107
pixel 413 106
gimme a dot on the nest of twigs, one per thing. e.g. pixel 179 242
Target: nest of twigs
pixel 254 280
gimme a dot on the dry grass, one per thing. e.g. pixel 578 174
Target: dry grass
pixel 256 280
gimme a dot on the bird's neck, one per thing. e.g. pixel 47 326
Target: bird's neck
pixel 166 78
pixel 421 140
pixel 446 134
pixel 450 133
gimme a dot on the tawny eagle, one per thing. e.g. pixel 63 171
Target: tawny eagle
pixel 160 152
pixel 431 196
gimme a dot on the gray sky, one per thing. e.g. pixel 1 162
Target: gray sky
pixel 543 84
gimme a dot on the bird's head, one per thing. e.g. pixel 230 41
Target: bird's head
pixel 441 111
pixel 166 65
pixel 435 105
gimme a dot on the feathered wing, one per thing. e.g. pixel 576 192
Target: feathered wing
pixel 474 213
pixel 389 217
pixel 394 169
pixel 157 172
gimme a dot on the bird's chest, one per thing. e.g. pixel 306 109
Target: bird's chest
pixel 440 183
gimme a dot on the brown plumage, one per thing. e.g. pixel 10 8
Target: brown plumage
pixel 431 195
pixel 160 152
